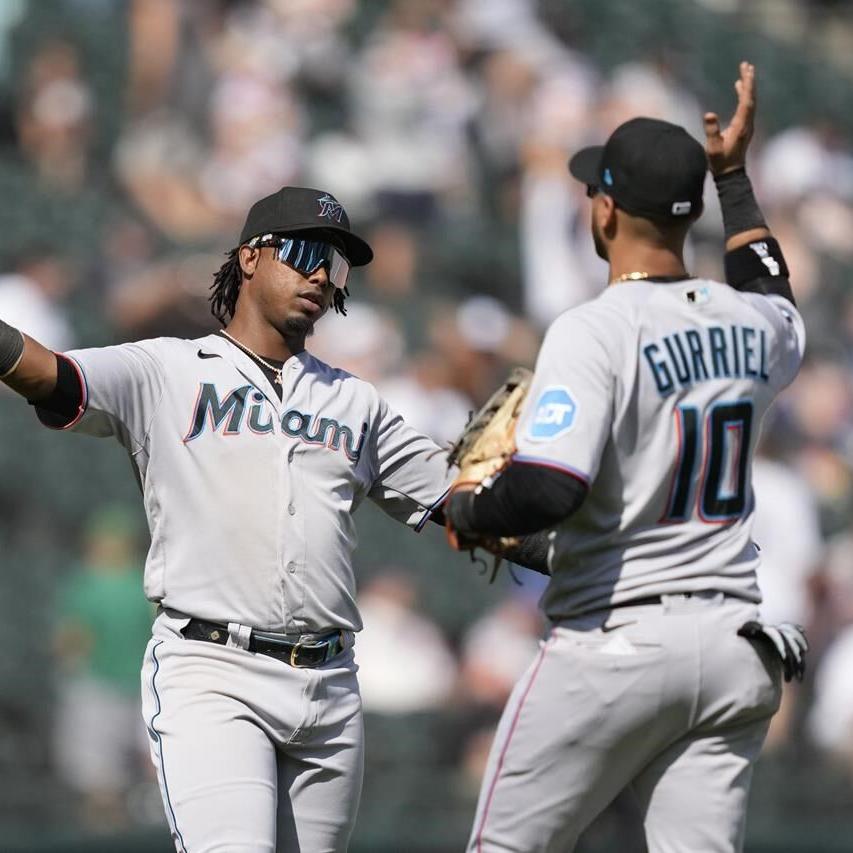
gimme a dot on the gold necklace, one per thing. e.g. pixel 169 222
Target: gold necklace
pixel 276 370
pixel 630 276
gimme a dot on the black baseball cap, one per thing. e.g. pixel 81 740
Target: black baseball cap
pixel 294 209
pixel 650 168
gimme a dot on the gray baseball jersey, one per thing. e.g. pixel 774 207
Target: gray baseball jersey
pixel 250 498
pixel 652 394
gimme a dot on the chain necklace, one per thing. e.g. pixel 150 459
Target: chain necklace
pixel 275 370
pixel 641 276
pixel 630 276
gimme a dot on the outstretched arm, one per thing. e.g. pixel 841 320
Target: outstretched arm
pixel 25 365
pixel 754 260
pixel 524 501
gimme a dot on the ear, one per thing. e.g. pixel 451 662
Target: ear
pixel 248 259
pixel 605 213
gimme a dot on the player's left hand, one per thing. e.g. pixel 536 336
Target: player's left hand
pixel 483 450
pixel 788 641
pixel 726 149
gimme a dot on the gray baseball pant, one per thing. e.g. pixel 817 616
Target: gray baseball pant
pixel 252 755
pixel 666 699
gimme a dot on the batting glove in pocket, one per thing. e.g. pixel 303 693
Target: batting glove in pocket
pixel 786 639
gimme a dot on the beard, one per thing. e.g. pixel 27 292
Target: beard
pixel 297 328
pixel 598 241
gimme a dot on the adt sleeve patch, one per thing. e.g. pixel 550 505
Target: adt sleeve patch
pixel 553 415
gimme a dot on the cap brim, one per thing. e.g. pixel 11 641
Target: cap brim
pixel 357 251
pixel 585 166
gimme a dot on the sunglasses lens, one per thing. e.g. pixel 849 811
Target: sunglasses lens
pixel 338 270
pixel 306 256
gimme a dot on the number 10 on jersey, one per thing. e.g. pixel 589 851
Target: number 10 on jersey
pixel 719 442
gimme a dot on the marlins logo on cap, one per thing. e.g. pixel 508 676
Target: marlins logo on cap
pixel 330 208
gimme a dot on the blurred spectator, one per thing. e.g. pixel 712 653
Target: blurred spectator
pixel 256 143
pixel 404 662
pixel 515 627
pixel 421 396
pixel 477 341
pixel 165 297
pixel 830 721
pixel 410 106
pixel 31 298
pixel 786 529
pixel 820 407
pixel 366 342
pixel 642 88
pixel 559 265
pixel 105 623
pixel 798 163
pixel 395 279
pixel 832 589
pixel 154 28
pixel 54 116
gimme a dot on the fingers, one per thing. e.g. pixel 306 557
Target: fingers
pixel 773 634
pixel 711 122
pixel 745 88
pixel 747 80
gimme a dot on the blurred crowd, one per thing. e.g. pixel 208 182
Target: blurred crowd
pixel 135 136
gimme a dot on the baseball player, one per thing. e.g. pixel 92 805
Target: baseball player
pixel 251 455
pixel 634 446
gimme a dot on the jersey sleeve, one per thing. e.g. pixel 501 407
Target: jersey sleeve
pixel 122 386
pixel 789 341
pixel 567 416
pixel 411 478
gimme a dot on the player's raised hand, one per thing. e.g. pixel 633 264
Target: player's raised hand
pixel 726 149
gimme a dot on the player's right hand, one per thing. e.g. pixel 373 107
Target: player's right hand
pixel 726 149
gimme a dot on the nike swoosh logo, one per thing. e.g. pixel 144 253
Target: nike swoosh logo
pixel 208 354
pixel 607 628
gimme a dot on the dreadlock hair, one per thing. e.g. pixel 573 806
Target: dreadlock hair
pixel 226 288
pixel 339 297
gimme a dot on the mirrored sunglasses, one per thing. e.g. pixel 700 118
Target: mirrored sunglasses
pixel 307 256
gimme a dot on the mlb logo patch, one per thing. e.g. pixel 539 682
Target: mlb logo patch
pixel 553 415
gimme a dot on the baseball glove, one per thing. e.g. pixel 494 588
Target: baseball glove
pixel 484 449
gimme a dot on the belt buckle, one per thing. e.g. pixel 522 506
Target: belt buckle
pixel 293 653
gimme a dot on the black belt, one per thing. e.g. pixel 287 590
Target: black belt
pixel 635 602
pixel 654 599
pixel 646 599
pixel 310 652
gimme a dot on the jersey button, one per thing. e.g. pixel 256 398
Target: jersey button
pixel 291 509
pixel 291 567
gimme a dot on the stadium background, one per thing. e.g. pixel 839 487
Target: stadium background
pixel 133 136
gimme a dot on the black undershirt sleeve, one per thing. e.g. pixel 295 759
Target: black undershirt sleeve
pixel 63 404
pixel 524 499
pixel 778 285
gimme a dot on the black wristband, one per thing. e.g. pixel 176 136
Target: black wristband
pixel 737 202
pixel 11 348
pixel 532 552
